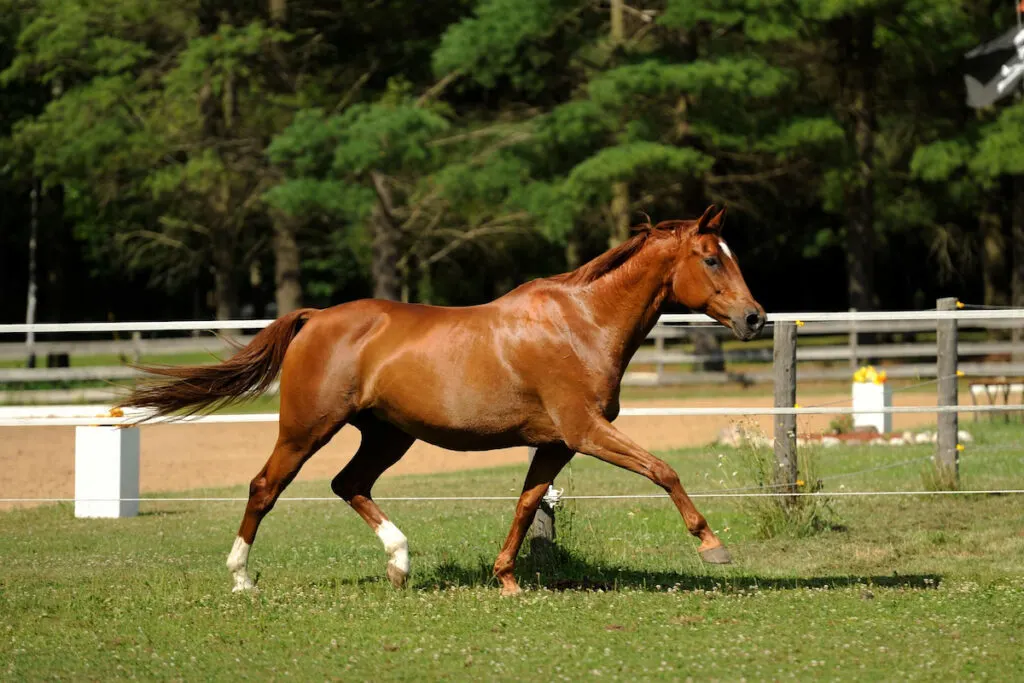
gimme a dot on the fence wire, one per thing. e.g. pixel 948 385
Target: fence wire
pixel 625 496
pixel 738 492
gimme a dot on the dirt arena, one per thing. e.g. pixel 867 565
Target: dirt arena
pixel 38 462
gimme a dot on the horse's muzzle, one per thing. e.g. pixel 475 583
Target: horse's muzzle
pixel 748 324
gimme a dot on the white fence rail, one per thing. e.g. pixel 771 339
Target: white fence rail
pixel 103 417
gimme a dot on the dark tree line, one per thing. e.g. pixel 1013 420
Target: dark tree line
pixel 198 158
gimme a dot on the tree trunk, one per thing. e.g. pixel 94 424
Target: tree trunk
pixel 860 200
pixel 278 11
pixel 707 343
pixel 993 261
pixel 620 214
pixel 33 243
pixel 1017 237
pixel 993 256
pixel 572 251
pixel 425 286
pixel 225 289
pixel 620 191
pixel 387 281
pixel 287 283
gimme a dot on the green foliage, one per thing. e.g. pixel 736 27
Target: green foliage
pixel 73 40
pixel 308 196
pixel 505 39
pixel 365 138
pixel 798 135
pixel 1001 148
pixel 751 77
pixel 177 135
pixel 624 162
pixel 385 137
pixel 940 160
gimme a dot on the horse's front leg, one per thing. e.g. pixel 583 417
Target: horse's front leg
pixel 548 461
pixel 597 437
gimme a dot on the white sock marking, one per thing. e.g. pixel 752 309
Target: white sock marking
pixel 396 545
pixel 725 249
pixel 238 561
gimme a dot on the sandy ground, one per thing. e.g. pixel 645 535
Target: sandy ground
pixel 37 462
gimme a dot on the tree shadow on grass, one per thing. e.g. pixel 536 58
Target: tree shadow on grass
pixel 552 567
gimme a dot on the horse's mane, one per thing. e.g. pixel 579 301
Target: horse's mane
pixel 617 256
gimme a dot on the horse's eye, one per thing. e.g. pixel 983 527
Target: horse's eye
pixel 711 261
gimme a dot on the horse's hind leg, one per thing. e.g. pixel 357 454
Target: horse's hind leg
pixel 382 446
pixel 296 443
pixel 548 461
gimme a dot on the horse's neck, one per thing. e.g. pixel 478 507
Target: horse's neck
pixel 627 302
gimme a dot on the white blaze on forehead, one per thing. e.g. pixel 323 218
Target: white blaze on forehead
pixel 725 249
pixel 396 545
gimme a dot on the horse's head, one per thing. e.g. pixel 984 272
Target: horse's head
pixel 706 278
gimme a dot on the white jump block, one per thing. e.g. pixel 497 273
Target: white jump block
pixel 106 471
pixel 871 396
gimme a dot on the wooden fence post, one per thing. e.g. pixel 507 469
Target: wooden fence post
pixel 947 458
pixel 659 366
pixel 543 528
pixel 784 366
pixel 136 346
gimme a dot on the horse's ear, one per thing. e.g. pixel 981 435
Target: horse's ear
pixel 707 223
pixel 718 222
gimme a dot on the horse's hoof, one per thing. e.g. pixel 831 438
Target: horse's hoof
pixel 511 591
pixel 716 555
pixel 243 585
pixel 396 576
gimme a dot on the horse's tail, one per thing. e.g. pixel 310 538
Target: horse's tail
pixel 201 388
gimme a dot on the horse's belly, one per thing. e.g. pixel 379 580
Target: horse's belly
pixel 487 426
pixel 455 439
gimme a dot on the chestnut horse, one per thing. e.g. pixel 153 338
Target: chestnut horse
pixel 540 366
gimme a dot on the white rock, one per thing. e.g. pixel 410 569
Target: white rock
pixel 830 441
pixel 878 442
pixel 964 436
pixel 923 437
pixel 908 437
pixel 896 441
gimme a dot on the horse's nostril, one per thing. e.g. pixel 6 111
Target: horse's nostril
pixel 753 320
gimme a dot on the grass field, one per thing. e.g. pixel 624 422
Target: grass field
pixel 900 587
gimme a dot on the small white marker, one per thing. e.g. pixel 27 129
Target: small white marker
pixel 725 249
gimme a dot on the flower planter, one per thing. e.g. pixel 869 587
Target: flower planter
pixel 872 396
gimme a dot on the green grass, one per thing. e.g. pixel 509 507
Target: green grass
pixel 920 588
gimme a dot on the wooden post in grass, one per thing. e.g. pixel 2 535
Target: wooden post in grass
pixel 947 458
pixel 659 365
pixel 543 528
pixel 784 366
